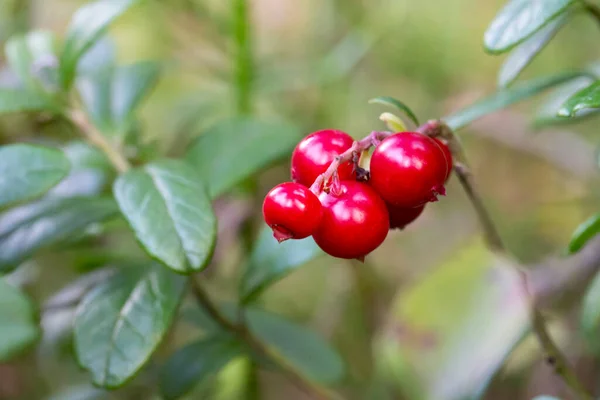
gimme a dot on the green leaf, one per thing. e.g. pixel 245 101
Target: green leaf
pixel 584 232
pixel 505 97
pixel 524 54
pixel 236 149
pixel 392 102
pixel 16 100
pixel 120 323
pixel 196 362
pixel 271 261
pixel 29 54
pixel 520 19
pixel 166 205
pixel 88 24
pixel 590 314
pixel 50 221
pixel 18 322
pixel 585 99
pixel 28 171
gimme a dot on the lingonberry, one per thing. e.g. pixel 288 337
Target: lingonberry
pixel 315 152
pixel 408 169
pixel 402 216
pixel 448 155
pixel 355 221
pixel 292 211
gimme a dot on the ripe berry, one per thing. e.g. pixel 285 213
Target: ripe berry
pixel 292 211
pixel 315 152
pixel 447 154
pixel 355 221
pixel 408 169
pixel 401 216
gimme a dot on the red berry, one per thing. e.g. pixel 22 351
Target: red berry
pixel 401 216
pixel 408 169
pixel 355 221
pixel 315 152
pixel 292 211
pixel 448 155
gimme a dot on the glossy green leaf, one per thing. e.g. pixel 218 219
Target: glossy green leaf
pixel 28 171
pixel 29 228
pixel 166 204
pixel 585 99
pixel 547 112
pixel 524 54
pixel 86 27
pixel 392 102
pixel 196 362
pixel 120 323
pixel 271 261
pixel 590 314
pixel 236 149
pixel 519 19
pixel 505 97
pixel 16 100
pixel 584 232
pixel 29 54
pixel 18 321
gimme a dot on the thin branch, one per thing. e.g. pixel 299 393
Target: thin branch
pixel 593 9
pixel 296 376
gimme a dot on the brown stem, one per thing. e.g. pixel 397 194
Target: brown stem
pixel 241 331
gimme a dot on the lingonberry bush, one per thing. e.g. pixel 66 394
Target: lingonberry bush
pixel 98 184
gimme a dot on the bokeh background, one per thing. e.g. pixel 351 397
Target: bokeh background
pixel 425 316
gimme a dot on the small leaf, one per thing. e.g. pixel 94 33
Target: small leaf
pixel 584 232
pixel 524 54
pixel 547 113
pixel 392 102
pixel 18 322
pixel 583 100
pixel 16 100
pixel 29 228
pixel 196 362
pixel 505 97
pixel 236 149
pixel 166 205
pixel 28 171
pixel 271 261
pixel 86 27
pixel 29 54
pixel 120 323
pixel 520 19
pixel 590 314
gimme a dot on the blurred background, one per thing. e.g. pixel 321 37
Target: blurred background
pixel 428 315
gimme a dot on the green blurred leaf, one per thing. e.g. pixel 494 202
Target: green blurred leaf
pixel 584 99
pixel 29 228
pixel 29 171
pixel 584 232
pixel 194 363
pixel 120 323
pixel 519 19
pixel 87 26
pixel 524 54
pixel 79 392
pixel 18 322
pixel 166 204
pixel 590 315
pixel 505 97
pixel 392 102
pixel 16 100
pixel 29 54
pixel 236 149
pixel 271 261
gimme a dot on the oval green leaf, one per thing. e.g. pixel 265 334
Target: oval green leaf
pixel 519 19
pixel 584 232
pixel 18 322
pixel 271 261
pixel 28 171
pixel 196 362
pixel 590 315
pixel 17 100
pixel 392 102
pixel 167 206
pixel 120 323
pixel 236 149
pixel 29 54
pixel 547 112
pixel 585 99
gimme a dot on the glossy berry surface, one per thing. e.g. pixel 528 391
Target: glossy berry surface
pixel 355 221
pixel 408 169
pixel 401 216
pixel 315 152
pixel 448 155
pixel 292 211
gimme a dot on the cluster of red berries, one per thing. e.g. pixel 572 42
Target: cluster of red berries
pixel 346 209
